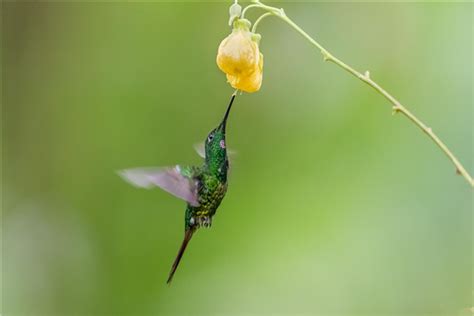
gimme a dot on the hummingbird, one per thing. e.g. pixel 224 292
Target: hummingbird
pixel 202 187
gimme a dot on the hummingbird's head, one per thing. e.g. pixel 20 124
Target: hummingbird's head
pixel 216 153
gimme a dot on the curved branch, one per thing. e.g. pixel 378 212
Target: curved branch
pixel 397 106
pixel 263 16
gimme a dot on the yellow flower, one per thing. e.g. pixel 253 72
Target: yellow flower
pixel 248 83
pixel 240 59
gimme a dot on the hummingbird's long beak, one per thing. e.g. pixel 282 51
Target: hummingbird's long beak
pixel 224 120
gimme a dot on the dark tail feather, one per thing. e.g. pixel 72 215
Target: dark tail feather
pixel 187 237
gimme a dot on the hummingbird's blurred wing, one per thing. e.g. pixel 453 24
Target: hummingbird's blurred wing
pixel 177 180
pixel 201 150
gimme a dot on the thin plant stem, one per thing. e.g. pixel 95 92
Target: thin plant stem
pixel 397 106
pixel 263 16
pixel 257 5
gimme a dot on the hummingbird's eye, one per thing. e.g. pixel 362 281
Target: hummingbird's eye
pixel 210 138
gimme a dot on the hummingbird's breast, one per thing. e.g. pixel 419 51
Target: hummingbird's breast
pixel 211 191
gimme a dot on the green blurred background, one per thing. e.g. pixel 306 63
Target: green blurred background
pixel 335 207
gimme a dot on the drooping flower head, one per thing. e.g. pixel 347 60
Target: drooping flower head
pixel 240 59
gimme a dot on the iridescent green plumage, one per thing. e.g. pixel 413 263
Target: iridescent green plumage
pixel 211 192
pixel 211 179
pixel 203 188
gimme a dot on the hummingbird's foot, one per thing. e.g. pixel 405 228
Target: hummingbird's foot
pixel 201 221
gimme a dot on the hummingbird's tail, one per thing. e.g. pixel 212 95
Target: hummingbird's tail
pixel 187 237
